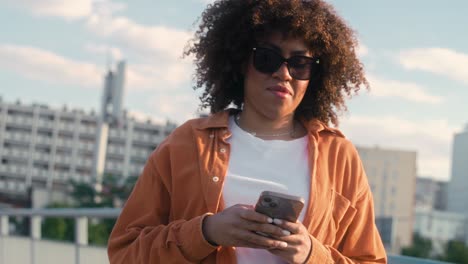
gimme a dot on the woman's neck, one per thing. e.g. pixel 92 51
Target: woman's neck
pixel 269 128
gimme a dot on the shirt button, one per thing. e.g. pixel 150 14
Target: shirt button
pixel 211 136
pixel 223 150
pixel 216 179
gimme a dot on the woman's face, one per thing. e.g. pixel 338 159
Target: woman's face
pixel 275 95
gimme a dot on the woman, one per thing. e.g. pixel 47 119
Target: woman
pixel 286 65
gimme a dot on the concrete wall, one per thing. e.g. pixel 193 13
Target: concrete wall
pixel 23 250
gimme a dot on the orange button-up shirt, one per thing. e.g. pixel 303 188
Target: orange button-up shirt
pixel 182 182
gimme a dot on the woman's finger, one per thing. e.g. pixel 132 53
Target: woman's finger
pixel 251 215
pixel 294 228
pixel 247 239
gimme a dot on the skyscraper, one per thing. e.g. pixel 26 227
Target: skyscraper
pixel 392 177
pixel 457 200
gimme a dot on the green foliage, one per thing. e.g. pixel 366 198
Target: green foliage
pixel 86 196
pixel 83 194
pixel 58 228
pixel 98 233
pixel 421 247
pixel 456 252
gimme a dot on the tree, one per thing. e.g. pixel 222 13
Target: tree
pixel 456 252
pixel 421 247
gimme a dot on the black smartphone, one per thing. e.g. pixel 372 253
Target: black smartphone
pixel 280 205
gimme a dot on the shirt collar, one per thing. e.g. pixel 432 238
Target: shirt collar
pixel 221 120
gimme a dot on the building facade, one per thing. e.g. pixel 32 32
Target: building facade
pixel 431 194
pixel 440 227
pixel 45 148
pixel 392 178
pixel 458 185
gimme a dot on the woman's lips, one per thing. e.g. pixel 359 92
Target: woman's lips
pixel 279 91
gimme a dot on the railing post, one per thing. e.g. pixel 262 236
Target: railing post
pixel 81 235
pixel 36 227
pixel 4 230
pixel 4 226
pixel 35 235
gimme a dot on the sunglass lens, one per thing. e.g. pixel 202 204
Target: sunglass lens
pixel 266 61
pixel 300 67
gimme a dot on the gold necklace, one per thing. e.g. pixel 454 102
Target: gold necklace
pixel 290 132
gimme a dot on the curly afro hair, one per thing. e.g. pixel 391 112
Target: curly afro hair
pixel 229 29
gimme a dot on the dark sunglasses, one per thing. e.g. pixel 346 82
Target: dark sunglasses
pixel 267 60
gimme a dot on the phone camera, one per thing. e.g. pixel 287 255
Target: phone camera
pixel 273 204
pixel 267 199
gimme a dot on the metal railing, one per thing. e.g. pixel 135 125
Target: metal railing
pixel 394 259
pixel 82 216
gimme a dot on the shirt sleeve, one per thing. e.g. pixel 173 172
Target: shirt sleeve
pixel 143 233
pixel 358 239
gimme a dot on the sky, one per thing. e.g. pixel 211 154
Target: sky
pixel 415 54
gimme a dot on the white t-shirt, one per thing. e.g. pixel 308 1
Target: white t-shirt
pixel 257 165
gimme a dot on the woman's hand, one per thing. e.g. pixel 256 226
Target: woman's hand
pixel 299 244
pixel 236 226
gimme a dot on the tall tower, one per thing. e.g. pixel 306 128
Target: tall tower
pixel 111 113
pixel 458 185
pixel 111 105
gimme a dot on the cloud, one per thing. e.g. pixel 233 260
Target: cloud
pixel 432 139
pixel 66 9
pixel 362 50
pixel 70 10
pixel 156 41
pixel 158 77
pixel 37 64
pixel 112 53
pixel 107 7
pixel 405 90
pixel 177 107
pixel 445 62
pixel 153 41
pixel 158 48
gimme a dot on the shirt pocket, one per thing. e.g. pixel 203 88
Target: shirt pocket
pixel 342 215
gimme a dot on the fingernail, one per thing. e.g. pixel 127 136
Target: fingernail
pixel 286 232
pixel 277 221
pixel 269 220
pixel 283 244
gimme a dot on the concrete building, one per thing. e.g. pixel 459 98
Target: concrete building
pixel 457 200
pixel 392 178
pixel 44 148
pixel 431 194
pixel 441 227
